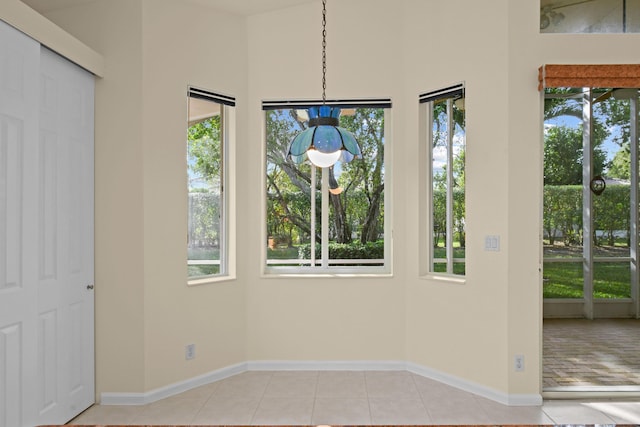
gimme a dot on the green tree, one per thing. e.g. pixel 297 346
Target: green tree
pixel 357 209
pixel 617 113
pixel 563 156
pixel 205 166
pixel 204 149
pixel 367 125
pixel 284 178
pixel 621 163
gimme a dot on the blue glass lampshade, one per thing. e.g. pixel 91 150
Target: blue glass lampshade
pixel 324 142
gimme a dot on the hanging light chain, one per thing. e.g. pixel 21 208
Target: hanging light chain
pixel 324 51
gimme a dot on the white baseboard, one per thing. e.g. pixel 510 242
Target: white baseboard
pixel 475 388
pixel 335 365
pixel 171 389
pixel 363 365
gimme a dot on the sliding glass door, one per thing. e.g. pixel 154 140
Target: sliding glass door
pixel 590 203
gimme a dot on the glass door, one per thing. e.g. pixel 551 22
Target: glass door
pixel 590 203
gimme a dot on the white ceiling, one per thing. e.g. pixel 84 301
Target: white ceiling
pixel 240 7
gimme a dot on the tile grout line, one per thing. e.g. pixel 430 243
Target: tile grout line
pixel 195 415
pixel 315 398
pixel 255 411
pixel 426 408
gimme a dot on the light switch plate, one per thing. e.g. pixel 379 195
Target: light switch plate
pixel 492 243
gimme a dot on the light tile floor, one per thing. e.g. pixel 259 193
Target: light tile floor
pixel 348 397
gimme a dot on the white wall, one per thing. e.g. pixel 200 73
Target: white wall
pixel 460 329
pixel 323 318
pixel 113 30
pixel 376 48
pixel 145 313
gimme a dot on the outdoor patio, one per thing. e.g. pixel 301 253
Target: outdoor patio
pixel 591 353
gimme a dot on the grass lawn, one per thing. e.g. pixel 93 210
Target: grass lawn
pixel 561 280
pixel 441 267
pixel 203 253
pixel 565 280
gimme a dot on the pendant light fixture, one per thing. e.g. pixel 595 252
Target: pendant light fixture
pixel 324 142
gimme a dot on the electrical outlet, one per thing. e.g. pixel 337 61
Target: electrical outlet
pixel 190 351
pixel 518 363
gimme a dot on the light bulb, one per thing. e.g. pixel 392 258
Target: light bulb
pixel 323 160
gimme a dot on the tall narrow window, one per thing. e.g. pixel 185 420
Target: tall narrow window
pixel 207 140
pixel 445 122
pixel 327 220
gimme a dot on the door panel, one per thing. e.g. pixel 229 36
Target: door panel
pixel 46 235
pixel 19 64
pixel 65 207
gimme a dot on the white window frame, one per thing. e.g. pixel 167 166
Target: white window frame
pixel 322 268
pixel 227 260
pixel 426 226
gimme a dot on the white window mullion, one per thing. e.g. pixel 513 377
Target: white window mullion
pixel 587 200
pixel 324 188
pixel 430 192
pixel 224 136
pixel 633 144
pixel 313 216
pixel 449 227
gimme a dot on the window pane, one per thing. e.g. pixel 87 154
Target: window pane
pixel 448 227
pixel 354 196
pixel 205 238
pixel 590 16
pixel 562 197
pixel 611 211
pixel 459 225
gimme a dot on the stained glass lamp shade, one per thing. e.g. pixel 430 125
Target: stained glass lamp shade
pixel 324 142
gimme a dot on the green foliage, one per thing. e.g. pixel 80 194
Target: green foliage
pixel 204 220
pixel 562 218
pixel 563 156
pixel 355 250
pixel 562 104
pixel 612 211
pixel 621 163
pixel 562 207
pixel 440 216
pixel 282 253
pixel 357 212
pixel 205 149
pixel 616 113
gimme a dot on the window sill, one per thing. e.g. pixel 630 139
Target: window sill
pixel 445 278
pixel 325 275
pixel 210 280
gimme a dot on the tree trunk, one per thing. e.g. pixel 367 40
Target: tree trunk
pixel 342 229
pixel 370 227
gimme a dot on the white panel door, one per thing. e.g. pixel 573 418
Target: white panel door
pixel 19 65
pixel 46 235
pixel 65 240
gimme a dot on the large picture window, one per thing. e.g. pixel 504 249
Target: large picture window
pixel 207 142
pixel 327 220
pixel 589 16
pixel 444 120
